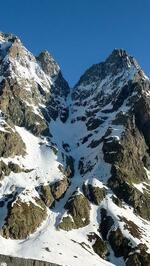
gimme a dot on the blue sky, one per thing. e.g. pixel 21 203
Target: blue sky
pixel 80 33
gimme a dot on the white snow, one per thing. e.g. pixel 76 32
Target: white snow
pixel 28 196
pixel 64 247
pixel 148 173
pixel 48 243
pixel 40 159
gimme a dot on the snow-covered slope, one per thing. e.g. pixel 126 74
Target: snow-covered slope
pixel 75 164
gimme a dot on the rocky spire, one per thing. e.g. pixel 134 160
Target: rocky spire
pixel 48 64
pixel 120 58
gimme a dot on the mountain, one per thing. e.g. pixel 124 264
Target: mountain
pixel 75 163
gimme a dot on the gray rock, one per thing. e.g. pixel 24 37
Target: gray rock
pixel 14 261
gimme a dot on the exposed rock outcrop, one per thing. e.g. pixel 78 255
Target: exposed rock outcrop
pixel 100 246
pixel 24 218
pixel 120 244
pixel 78 216
pixel 15 261
pixel 79 158
pixel 59 188
pixel 94 193
pixel 47 196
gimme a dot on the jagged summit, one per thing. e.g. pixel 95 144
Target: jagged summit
pixel 11 46
pixel 121 58
pixel 31 82
pixel 48 64
pixel 8 37
pixel 117 63
pixel 118 53
pixel 74 164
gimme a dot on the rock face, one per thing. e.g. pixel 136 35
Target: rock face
pixel 139 259
pixel 48 64
pixel 113 97
pixel 94 194
pixel 24 218
pixel 53 192
pixel 11 144
pixel 99 246
pixel 73 160
pixel 79 210
pixel 14 261
pixel 47 196
pixel 59 188
pixel 120 244
pixel 106 224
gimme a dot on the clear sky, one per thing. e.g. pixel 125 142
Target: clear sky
pixel 80 33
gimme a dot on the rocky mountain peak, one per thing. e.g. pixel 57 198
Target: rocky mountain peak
pixel 116 55
pixel 119 58
pixel 32 85
pixel 8 37
pixel 48 64
pixel 118 63
pixel 74 160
